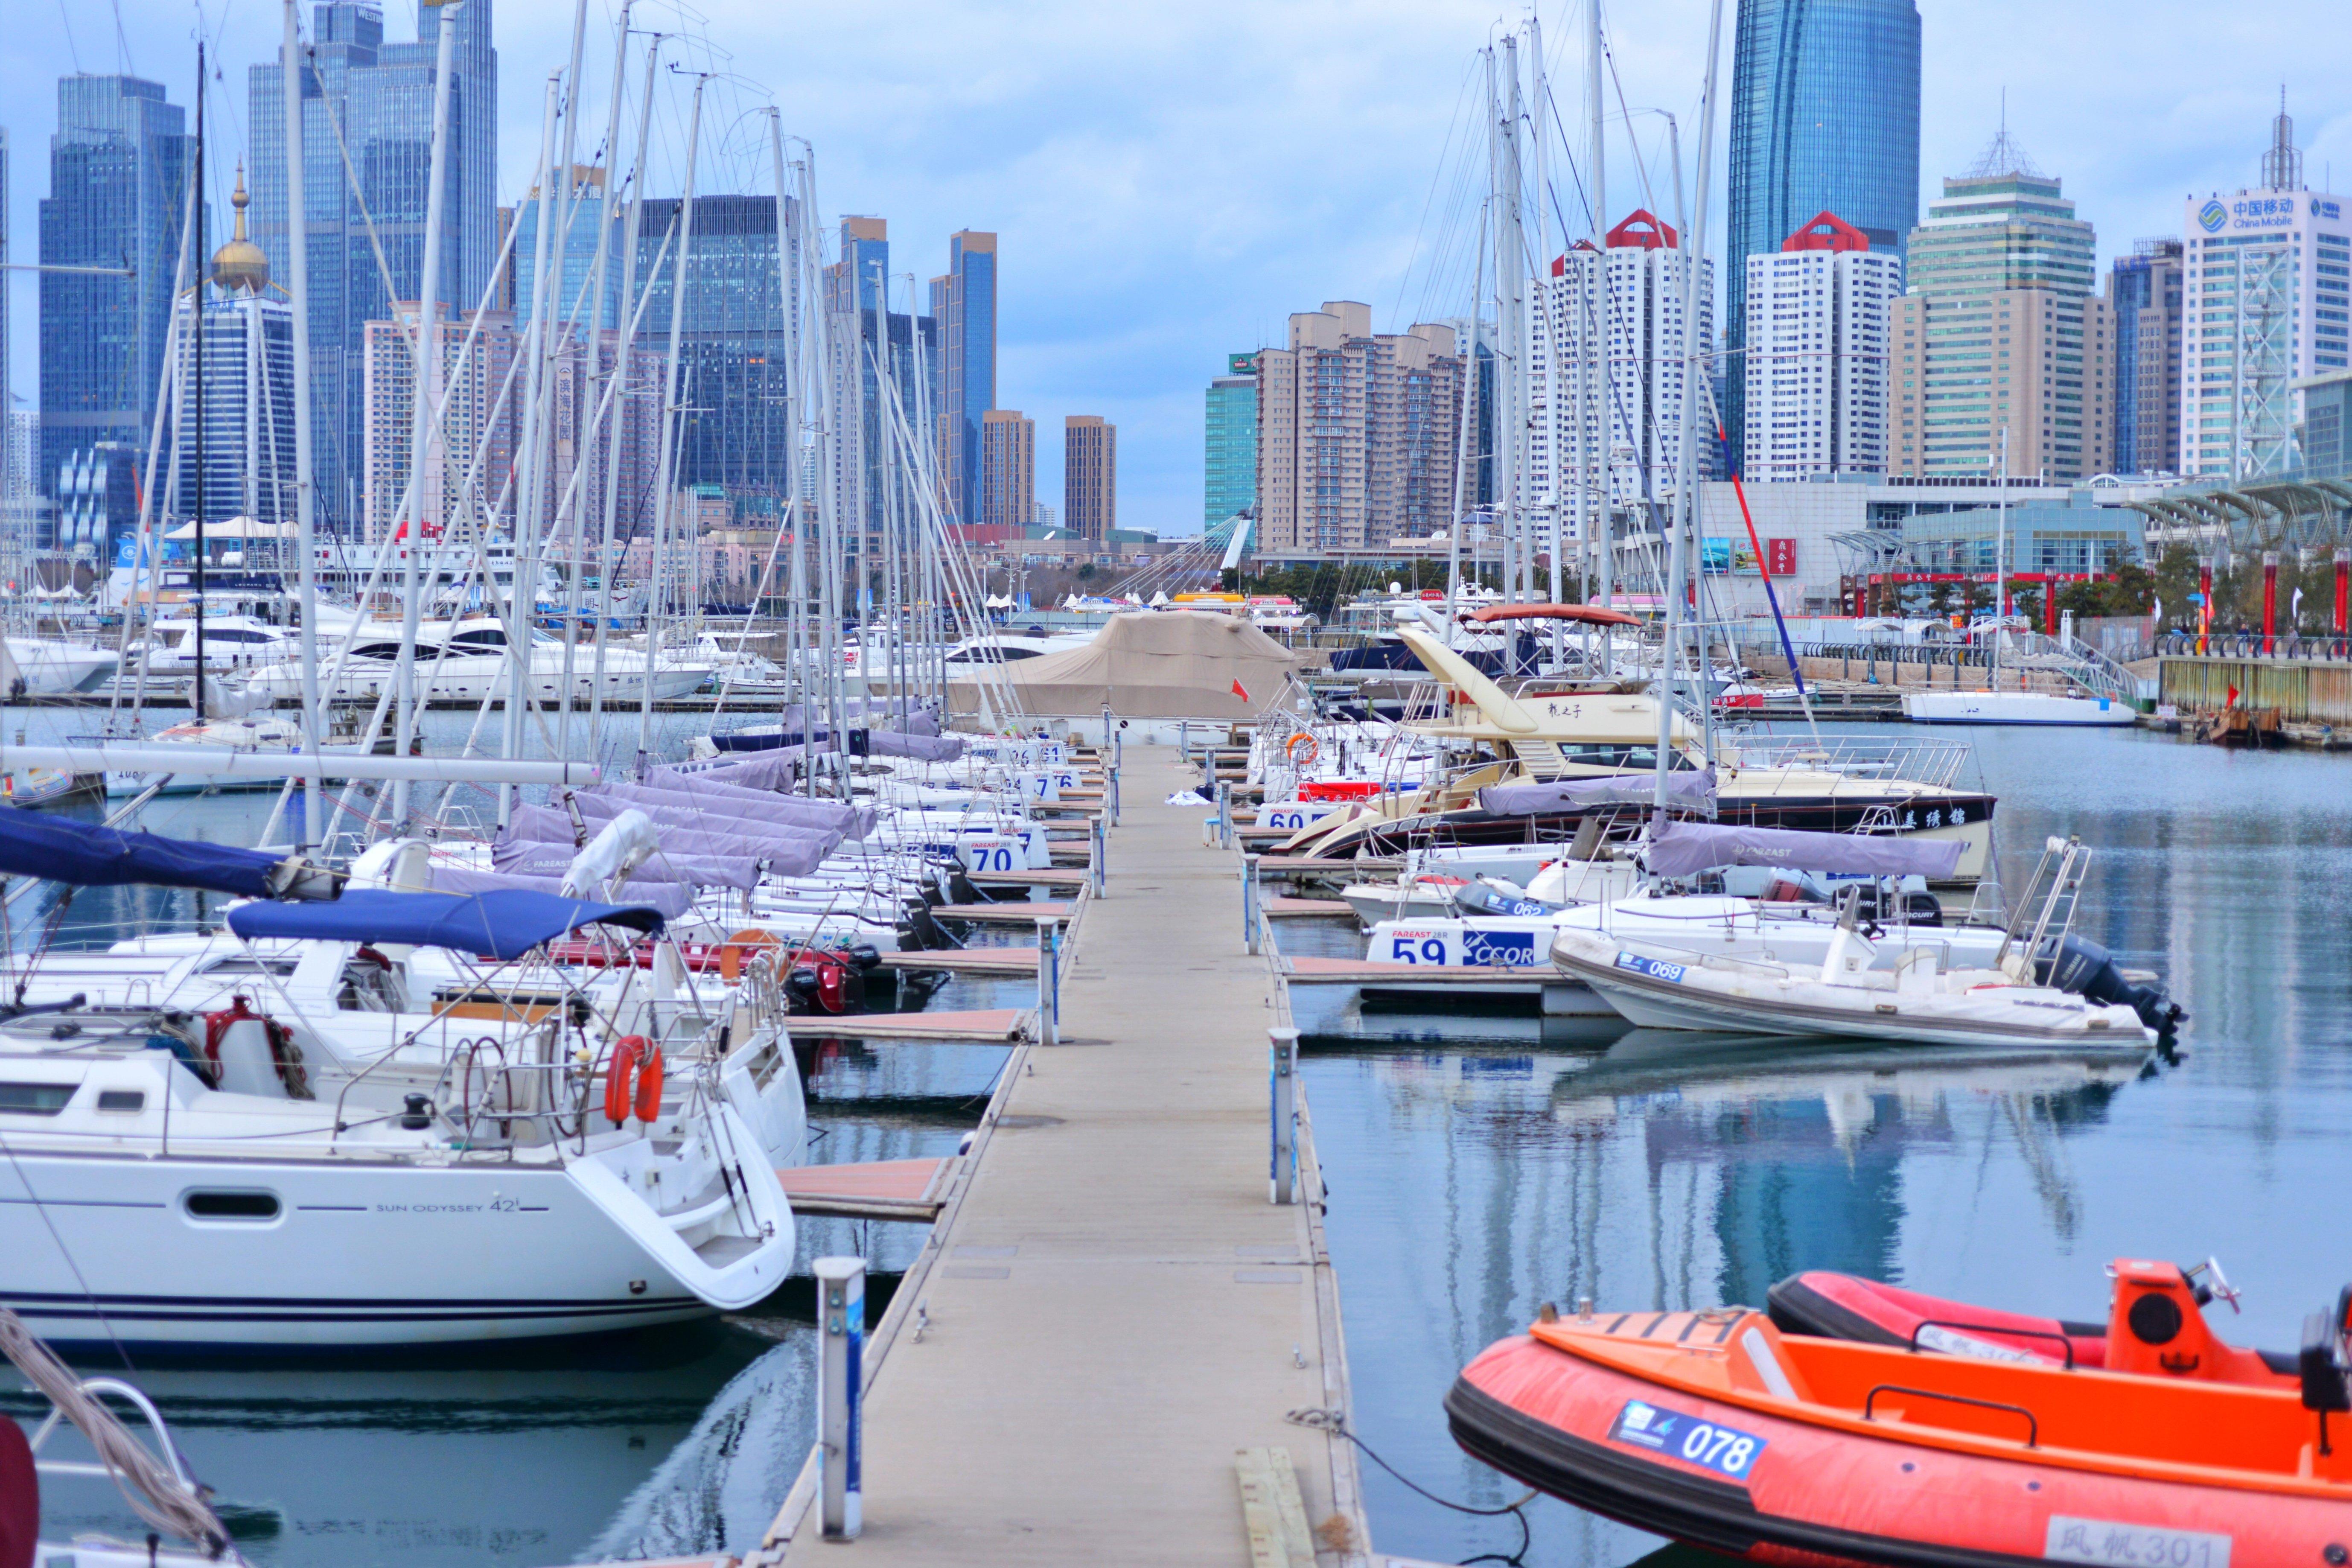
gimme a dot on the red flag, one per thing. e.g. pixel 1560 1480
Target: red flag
pixel 2232 700
pixel 1239 690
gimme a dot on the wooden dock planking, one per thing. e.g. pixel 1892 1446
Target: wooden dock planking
pixel 1107 1249
pixel 1003 914
pixel 991 1025
pixel 967 960
pixel 1308 907
pixel 873 1189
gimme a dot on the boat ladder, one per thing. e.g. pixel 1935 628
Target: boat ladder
pixel 2052 895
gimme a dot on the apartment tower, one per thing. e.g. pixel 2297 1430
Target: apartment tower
pixel 1815 370
pixel 1090 476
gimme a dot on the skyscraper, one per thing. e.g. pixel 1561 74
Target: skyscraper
pixel 243 465
pixel 1824 118
pixel 1357 432
pixel 2268 288
pixel 119 170
pixel 1090 476
pixel 736 350
pixel 1816 362
pixel 963 303
pixel 1008 474
pixel 2143 292
pixel 1625 311
pixel 1229 470
pixel 2000 330
pixel 376 100
pixel 868 333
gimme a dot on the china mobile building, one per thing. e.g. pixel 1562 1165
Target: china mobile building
pixel 1824 118
pixel 1606 367
pixel 1816 362
pixel 2269 284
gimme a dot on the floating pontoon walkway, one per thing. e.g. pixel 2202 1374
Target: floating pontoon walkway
pixel 1091 1361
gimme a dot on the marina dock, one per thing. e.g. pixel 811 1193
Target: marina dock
pixel 1092 1360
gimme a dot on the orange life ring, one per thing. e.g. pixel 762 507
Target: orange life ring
pixel 636 1057
pixel 649 1086
pixel 740 948
pixel 1314 750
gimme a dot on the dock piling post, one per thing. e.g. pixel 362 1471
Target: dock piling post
pixel 1114 795
pixel 1249 903
pixel 1049 981
pixel 841 1327
pixel 1225 815
pixel 1285 1077
pixel 1096 857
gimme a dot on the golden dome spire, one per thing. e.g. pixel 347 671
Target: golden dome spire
pixel 239 267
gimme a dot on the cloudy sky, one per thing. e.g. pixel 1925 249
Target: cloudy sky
pixel 1171 178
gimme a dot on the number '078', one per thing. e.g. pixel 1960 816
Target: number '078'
pixel 1719 1449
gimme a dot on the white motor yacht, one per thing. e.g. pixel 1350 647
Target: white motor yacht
pixel 466 660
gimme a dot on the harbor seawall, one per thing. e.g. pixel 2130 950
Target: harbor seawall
pixel 2303 692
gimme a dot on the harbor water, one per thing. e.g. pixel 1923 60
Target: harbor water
pixel 1478 1166
pixel 1475 1179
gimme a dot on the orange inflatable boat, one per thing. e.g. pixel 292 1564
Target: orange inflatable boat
pixel 1717 1429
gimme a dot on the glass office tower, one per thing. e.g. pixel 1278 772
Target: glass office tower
pixel 1229 470
pixel 378 97
pixel 1824 118
pixel 119 167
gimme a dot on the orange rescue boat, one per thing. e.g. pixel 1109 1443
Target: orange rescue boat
pixel 1717 1429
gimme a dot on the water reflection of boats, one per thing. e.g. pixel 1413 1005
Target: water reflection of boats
pixel 1714 1069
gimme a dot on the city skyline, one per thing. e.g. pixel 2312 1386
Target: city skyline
pixel 1298 180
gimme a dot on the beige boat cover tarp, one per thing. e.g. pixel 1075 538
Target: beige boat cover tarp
pixel 1164 664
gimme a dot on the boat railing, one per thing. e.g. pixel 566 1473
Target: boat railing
pixel 1935 763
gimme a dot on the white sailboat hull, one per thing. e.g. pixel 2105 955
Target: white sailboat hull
pixel 358 1255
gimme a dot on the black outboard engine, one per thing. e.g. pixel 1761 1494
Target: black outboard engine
pixel 2082 968
pixel 924 926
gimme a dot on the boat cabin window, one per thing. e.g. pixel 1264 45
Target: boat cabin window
pixel 35 1098
pixel 485 637
pixel 246 963
pixel 124 1101
pixel 1619 754
pixel 231 634
pixel 376 650
pixel 231 1206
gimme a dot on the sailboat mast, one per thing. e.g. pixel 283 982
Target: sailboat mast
pixel 1593 459
pixel 673 421
pixel 420 425
pixel 197 321
pixel 298 289
pixel 583 415
pixel 1679 554
pixel 625 317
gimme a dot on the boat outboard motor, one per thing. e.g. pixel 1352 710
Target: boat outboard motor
pixel 2082 968
pixel 925 927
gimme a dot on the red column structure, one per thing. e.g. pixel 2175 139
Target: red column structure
pixel 2050 608
pixel 2269 599
pixel 2204 601
pixel 2343 590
